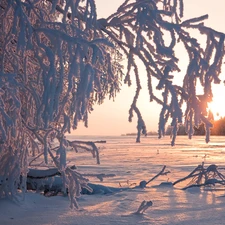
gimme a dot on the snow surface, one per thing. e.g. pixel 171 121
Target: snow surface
pixel 132 163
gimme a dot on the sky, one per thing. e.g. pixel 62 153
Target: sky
pixel 111 118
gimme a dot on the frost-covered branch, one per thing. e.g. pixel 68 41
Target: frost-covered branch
pixel 141 29
pixel 53 70
pixel 58 59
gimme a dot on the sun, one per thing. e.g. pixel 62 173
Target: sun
pixel 216 109
pixel 217 106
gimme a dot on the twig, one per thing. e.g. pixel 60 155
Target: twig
pixel 190 175
pixel 143 183
pixel 160 173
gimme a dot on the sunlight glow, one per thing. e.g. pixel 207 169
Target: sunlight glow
pixel 217 106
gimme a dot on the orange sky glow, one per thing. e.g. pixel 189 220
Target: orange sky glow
pixel 111 118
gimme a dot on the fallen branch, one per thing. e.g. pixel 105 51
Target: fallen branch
pixel 209 182
pixel 50 181
pixel 51 172
pixel 161 173
pixel 192 174
pixel 54 185
pixel 201 176
pixel 42 174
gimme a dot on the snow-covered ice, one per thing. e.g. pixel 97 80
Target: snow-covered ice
pixel 132 163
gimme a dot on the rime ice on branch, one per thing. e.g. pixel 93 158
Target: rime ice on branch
pixel 141 29
pixel 58 60
pixel 55 65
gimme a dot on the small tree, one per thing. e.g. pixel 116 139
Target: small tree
pixel 58 60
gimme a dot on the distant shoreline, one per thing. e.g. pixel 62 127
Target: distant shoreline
pixel 152 133
pixel 155 134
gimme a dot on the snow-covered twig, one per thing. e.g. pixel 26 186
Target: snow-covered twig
pixel 161 173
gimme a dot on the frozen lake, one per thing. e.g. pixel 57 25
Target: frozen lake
pixel 138 161
pixel 131 163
